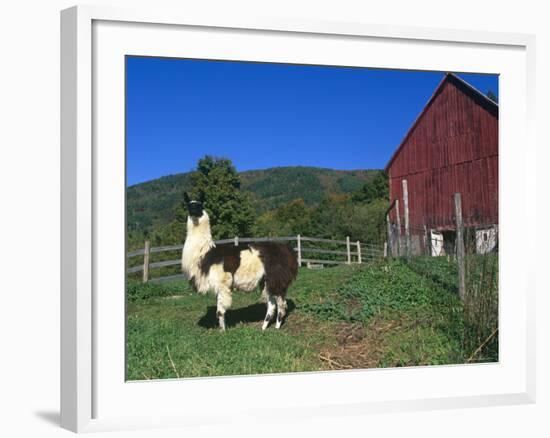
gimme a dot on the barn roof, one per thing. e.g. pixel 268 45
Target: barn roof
pixel 471 91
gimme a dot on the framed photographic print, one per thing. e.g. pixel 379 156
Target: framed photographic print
pixel 293 209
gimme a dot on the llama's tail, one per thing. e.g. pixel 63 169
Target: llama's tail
pixel 293 262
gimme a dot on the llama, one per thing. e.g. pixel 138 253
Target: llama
pixel 222 269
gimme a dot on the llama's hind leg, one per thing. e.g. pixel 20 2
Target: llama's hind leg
pixel 271 306
pixel 281 310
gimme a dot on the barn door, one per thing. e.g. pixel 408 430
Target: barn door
pixel 486 240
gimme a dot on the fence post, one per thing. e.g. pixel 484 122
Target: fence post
pixel 348 248
pixel 359 260
pixel 146 253
pixel 426 249
pixel 299 250
pixel 385 249
pixel 406 212
pixel 460 247
pixel 236 240
pixel 388 225
pixel 398 228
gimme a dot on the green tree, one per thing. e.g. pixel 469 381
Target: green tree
pixel 337 217
pixel 289 219
pixel 328 216
pixel 217 183
pixel 266 225
pixel 376 188
pixel 172 233
pixel 366 222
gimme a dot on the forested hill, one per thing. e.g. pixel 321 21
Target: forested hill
pixel 152 203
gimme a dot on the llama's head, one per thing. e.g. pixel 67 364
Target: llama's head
pixel 194 208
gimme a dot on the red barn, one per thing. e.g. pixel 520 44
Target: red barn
pixel 452 147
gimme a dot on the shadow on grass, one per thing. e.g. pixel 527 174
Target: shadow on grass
pixel 252 313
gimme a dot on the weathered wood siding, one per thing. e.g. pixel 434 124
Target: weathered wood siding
pixel 451 148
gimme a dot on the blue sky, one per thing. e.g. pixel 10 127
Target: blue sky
pixel 267 115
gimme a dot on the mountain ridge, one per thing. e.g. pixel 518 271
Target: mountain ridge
pixel 151 203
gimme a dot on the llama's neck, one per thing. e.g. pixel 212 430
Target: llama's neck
pixel 197 243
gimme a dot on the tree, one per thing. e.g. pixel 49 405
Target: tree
pixel 289 219
pixel 491 95
pixel 337 217
pixel 172 233
pixel 217 183
pixel 366 222
pixel 376 188
pixel 328 217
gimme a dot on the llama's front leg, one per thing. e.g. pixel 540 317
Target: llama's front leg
pixel 223 298
pixel 271 305
pixel 281 311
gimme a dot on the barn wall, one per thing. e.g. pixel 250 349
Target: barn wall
pixel 452 148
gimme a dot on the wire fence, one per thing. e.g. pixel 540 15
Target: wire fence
pixel 471 244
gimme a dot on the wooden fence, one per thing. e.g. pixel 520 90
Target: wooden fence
pixel 354 252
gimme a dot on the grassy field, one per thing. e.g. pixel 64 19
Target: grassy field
pixel 358 316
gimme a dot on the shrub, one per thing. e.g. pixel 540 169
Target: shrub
pixel 385 286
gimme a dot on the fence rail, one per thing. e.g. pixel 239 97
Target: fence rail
pixel 355 252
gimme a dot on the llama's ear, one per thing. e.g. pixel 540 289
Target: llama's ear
pixel 186 198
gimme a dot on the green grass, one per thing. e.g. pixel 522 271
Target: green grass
pixel 383 315
pixel 185 324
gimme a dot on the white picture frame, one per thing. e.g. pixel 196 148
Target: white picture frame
pixel 92 392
